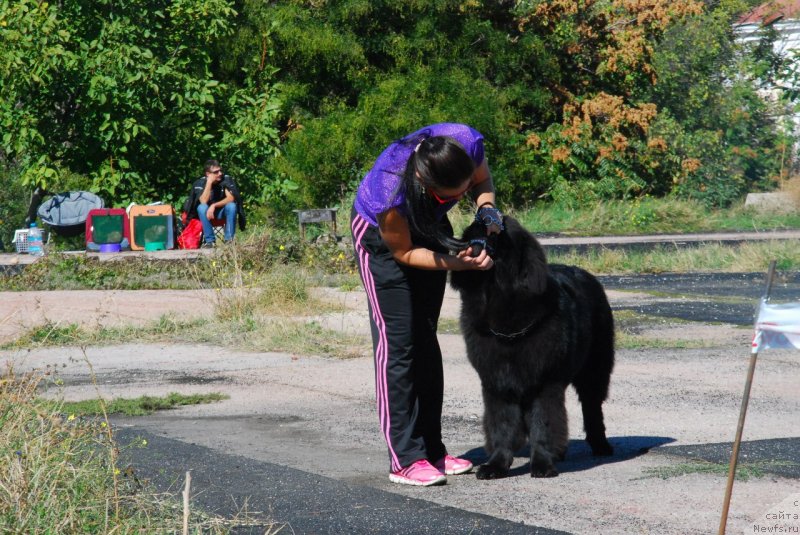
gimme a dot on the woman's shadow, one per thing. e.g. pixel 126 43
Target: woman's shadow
pixel 579 455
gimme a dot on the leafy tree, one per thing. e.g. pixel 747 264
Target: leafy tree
pixel 656 101
pixel 356 74
pixel 598 147
pixel 13 206
pixel 578 99
pixel 724 134
pixel 124 94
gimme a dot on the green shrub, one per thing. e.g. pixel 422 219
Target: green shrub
pixel 14 200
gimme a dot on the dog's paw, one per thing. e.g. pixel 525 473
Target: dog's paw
pixel 487 471
pixel 543 470
pixel 601 448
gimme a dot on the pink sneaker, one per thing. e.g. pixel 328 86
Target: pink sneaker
pixel 453 466
pixel 421 473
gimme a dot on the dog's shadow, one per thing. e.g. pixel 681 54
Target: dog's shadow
pixel 579 455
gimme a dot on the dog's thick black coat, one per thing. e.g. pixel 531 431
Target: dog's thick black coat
pixel 531 330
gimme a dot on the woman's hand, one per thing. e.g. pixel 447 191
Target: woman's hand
pixel 481 262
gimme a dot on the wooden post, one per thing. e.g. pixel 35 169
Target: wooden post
pixel 742 412
pixel 186 490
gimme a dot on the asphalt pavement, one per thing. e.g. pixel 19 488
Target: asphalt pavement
pixel 223 484
pixel 735 296
pixel 779 456
pixel 305 502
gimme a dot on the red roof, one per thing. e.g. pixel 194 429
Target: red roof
pixel 772 11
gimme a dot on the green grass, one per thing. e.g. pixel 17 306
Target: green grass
pixel 627 322
pixel 140 406
pixel 658 216
pixel 625 318
pixel 650 216
pixel 248 333
pixel 632 341
pixel 744 471
pixel 264 279
pixel 49 334
pixel 624 338
pixel 449 326
pixel 745 257
pixel 254 255
pixel 79 272
pixel 62 474
pixel 312 339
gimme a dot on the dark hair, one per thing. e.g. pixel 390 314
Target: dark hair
pixel 209 164
pixel 437 162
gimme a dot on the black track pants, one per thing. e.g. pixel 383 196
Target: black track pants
pixel 404 306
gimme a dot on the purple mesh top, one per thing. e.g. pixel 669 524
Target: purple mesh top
pixel 382 186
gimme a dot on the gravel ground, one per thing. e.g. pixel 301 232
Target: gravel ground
pixel 667 407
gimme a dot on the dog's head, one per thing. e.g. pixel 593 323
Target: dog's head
pixel 520 264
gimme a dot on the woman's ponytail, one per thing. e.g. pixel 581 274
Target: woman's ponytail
pixel 437 162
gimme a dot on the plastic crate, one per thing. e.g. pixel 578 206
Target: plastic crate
pixel 21 240
pixel 153 224
pixel 97 217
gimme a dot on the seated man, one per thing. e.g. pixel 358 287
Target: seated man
pixel 215 196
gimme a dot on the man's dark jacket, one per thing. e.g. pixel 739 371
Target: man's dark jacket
pixel 227 183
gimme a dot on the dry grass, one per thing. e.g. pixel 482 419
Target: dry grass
pixel 792 188
pixel 259 311
pixel 281 290
pixel 60 473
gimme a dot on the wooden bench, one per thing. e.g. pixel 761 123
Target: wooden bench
pixel 316 215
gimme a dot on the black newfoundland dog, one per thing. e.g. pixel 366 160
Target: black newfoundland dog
pixel 531 330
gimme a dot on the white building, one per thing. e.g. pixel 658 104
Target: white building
pixel 782 16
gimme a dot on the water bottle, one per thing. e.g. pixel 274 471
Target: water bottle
pixel 35 245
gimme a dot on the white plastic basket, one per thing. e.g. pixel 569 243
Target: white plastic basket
pixel 21 240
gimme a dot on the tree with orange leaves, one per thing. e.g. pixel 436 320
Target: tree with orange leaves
pixel 615 134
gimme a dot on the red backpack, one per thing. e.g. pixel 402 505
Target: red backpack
pixel 191 235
